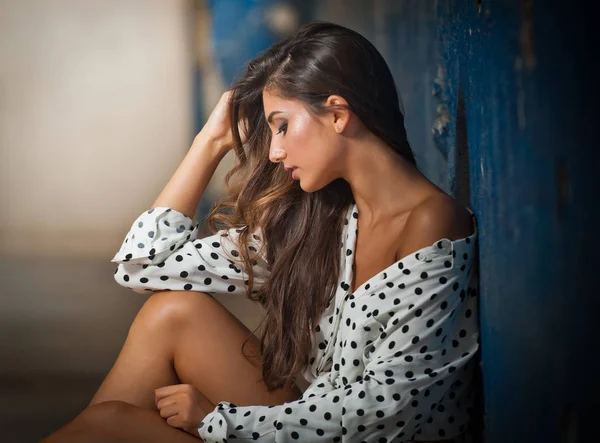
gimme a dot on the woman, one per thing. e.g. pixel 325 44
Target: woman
pixel 366 270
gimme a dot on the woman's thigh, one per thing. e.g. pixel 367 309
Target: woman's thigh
pixel 118 422
pixel 208 351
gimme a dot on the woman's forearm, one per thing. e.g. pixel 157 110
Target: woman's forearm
pixel 185 188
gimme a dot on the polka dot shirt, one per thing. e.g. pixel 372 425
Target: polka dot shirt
pixel 393 360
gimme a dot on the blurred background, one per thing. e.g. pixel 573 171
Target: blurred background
pixel 101 99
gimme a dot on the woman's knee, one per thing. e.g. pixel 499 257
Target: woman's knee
pixel 174 309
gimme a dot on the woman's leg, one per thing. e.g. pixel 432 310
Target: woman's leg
pixel 145 361
pixel 119 422
pixel 188 337
pixel 177 337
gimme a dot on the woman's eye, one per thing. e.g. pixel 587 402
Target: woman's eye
pixel 282 128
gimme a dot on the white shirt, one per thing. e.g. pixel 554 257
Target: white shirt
pixel 394 359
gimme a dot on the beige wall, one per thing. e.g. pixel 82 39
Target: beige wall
pixel 95 115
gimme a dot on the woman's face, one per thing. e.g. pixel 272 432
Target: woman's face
pixel 310 142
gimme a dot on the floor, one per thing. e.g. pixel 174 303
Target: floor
pixel 62 324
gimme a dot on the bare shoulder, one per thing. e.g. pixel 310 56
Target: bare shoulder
pixel 437 217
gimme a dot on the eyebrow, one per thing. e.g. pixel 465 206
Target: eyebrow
pixel 270 117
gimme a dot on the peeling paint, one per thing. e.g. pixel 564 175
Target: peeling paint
pixel 439 127
pixel 520 93
pixel 526 33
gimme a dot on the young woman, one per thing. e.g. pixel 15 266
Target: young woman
pixel 367 272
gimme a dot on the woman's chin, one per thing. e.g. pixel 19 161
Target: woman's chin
pixel 303 187
pixel 307 186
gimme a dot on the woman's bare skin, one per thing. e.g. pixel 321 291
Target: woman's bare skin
pixel 177 337
pixel 187 337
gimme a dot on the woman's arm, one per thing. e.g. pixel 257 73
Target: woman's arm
pixel 185 188
pixel 188 183
pixel 162 251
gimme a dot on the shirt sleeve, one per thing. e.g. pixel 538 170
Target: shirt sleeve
pixel 161 251
pixel 389 402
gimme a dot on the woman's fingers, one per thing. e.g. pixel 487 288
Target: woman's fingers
pixel 181 405
pixel 169 411
pixel 170 390
pixel 164 402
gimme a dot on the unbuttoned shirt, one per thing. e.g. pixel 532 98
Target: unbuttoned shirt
pixel 393 360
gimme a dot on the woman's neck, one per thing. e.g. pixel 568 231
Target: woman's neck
pixel 384 185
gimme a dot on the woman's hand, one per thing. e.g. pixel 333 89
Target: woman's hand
pixel 183 406
pixel 218 127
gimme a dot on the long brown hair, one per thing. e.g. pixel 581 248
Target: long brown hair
pixel 301 231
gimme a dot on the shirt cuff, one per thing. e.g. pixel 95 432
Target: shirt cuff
pixel 214 426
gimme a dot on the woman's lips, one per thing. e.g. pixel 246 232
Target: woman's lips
pixel 294 176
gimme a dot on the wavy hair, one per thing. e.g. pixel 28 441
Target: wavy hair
pixel 301 231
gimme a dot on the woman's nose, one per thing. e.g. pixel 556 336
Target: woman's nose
pixel 276 155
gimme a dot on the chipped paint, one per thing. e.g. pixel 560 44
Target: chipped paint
pixel 526 33
pixel 521 118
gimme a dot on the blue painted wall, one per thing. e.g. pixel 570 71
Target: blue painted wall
pixel 498 97
pixel 513 83
pixel 507 89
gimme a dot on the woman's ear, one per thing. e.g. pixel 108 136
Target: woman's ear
pixel 340 112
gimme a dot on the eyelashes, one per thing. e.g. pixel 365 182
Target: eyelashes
pixel 282 128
